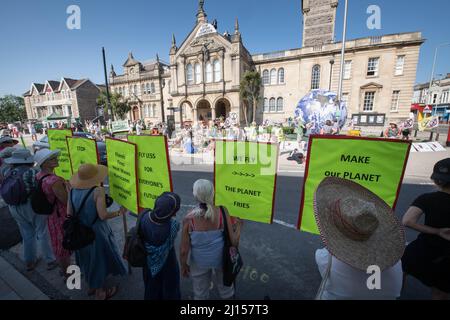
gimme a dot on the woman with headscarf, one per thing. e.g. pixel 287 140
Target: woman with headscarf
pixel 203 238
pixel 159 230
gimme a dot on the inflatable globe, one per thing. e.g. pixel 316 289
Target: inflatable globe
pixel 317 107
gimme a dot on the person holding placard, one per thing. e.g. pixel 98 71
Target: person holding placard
pixel 428 257
pixel 203 238
pixel 55 190
pixel 101 258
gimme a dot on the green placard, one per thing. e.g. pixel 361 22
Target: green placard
pixel 377 164
pixel 245 175
pixel 122 173
pixel 82 150
pixel 57 141
pixel 153 168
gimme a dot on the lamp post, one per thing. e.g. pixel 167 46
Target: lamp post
pixel 331 72
pixel 434 66
pixel 162 84
pixel 344 36
pixel 430 95
pixel 108 100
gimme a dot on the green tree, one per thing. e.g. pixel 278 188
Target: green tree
pixel 12 109
pixel 250 88
pixel 119 104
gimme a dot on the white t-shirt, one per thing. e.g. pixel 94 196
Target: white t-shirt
pixel 138 129
pixel 348 283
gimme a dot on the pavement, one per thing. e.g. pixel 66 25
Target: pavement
pixel 278 259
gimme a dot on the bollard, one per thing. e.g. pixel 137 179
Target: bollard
pixel 415 134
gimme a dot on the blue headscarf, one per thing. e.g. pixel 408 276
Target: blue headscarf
pixel 166 206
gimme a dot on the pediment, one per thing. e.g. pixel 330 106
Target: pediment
pixel 201 45
pixel 372 85
pixel 198 41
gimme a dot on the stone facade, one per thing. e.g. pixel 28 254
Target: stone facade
pixel 142 84
pixel 205 71
pixel 438 100
pixel 66 98
pixel 318 22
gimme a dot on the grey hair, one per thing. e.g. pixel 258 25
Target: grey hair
pixel 203 191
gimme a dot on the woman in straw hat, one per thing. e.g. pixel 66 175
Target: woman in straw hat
pixel 159 230
pixel 428 257
pixel 359 231
pixel 33 227
pixel 55 190
pixel 203 238
pixel 102 257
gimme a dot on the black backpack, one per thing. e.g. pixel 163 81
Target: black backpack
pixel 39 201
pixel 134 250
pixel 76 234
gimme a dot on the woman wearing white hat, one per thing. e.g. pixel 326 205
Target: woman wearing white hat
pixel 362 236
pixel 55 190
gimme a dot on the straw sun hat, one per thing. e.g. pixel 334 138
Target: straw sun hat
pixel 89 176
pixel 357 226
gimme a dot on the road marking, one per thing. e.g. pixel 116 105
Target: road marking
pixel 285 224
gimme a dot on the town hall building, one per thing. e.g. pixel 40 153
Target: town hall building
pixel 201 80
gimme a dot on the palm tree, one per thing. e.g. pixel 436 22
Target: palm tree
pixel 119 104
pixel 250 88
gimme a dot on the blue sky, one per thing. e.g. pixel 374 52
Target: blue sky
pixel 36 44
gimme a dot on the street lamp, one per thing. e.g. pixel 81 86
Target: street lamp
pixel 331 72
pixel 344 36
pixel 433 69
pixel 430 95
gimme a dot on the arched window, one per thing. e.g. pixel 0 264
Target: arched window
pixel 154 110
pixel 280 102
pixel 152 87
pixel 217 71
pixel 272 105
pixel 315 77
pixel 147 87
pixel 273 76
pixel 190 74
pixel 143 89
pixel 135 90
pixel 266 77
pixel 209 73
pixel 281 75
pixel 266 105
pixel 198 73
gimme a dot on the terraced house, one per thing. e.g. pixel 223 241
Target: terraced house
pixel 68 98
pixel 201 80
